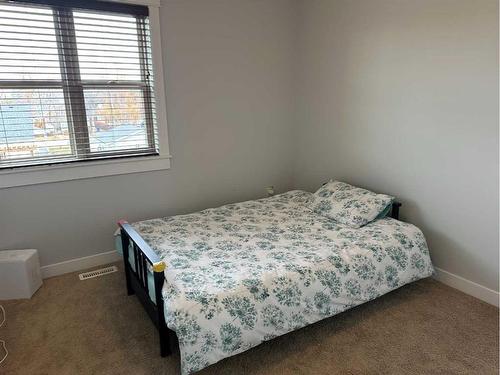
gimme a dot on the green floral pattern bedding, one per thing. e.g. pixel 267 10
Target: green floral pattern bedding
pixel 244 273
pixel 348 204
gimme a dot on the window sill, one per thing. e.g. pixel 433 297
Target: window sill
pixel 75 171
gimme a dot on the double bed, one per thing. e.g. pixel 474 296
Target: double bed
pixel 223 280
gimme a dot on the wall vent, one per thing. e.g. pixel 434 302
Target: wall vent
pixel 97 273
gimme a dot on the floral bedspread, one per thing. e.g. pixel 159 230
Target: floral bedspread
pixel 244 273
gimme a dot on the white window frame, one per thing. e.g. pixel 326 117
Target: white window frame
pixel 32 175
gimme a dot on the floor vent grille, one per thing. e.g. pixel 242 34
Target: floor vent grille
pixel 97 273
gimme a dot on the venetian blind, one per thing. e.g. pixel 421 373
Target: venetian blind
pixel 76 82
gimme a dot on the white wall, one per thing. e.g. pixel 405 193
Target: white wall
pixel 228 86
pixel 401 96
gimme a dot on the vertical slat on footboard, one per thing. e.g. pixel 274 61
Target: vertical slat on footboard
pixel 136 261
pixel 145 273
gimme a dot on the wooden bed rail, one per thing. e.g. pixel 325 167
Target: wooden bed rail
pixel 137 280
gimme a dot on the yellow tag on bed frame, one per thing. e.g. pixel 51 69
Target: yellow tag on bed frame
pixel 159 266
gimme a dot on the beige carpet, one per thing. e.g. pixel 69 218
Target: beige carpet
pixel 93 327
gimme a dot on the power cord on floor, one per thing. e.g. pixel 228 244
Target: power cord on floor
pixel 1 341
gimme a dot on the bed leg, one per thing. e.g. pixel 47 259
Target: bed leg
pixel 165 350
pixel 125 243
pixel 164 332
pixel 130 291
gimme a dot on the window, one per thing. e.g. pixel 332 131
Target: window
pixel 76 83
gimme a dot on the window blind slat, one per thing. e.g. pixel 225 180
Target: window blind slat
pixel 76 83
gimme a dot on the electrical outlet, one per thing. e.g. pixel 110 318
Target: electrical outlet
pixel 270 190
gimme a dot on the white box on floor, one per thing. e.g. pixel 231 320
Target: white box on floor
pixel 20 275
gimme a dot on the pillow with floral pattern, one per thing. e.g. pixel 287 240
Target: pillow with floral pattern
pixel 349 205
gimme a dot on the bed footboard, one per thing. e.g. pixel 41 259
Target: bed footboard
pixel 137 281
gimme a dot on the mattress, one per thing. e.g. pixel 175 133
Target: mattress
pixel 247 272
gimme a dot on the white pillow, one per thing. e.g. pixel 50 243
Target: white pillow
pixel 348 204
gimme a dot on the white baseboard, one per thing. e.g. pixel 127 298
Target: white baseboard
pixel 469 287
pixel 78 264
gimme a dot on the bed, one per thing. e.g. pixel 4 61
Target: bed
pixel 223 280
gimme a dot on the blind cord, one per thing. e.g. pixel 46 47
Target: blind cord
pixel 2 341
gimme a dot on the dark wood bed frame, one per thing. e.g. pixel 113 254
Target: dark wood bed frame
pixel 137 279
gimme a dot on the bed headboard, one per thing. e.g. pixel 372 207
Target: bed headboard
pixel 394 213
pixel 395 210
